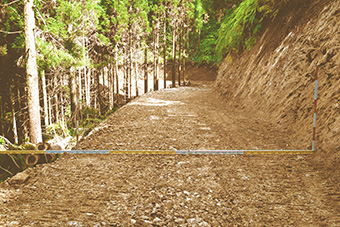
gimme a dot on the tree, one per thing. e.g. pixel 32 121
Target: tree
pixel 32 73
pixel 84 47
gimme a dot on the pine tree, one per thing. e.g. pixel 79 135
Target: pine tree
pixel 32 74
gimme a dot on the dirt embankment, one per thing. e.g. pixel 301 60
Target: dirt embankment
pixel 194 72
pixel 277 77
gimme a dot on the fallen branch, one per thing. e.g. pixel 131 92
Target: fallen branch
pixel 6 170
pixel 10 33
pixel 10 3
pixel 7 141
pixel 14 161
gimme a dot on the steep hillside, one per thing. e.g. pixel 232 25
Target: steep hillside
pixel 277 76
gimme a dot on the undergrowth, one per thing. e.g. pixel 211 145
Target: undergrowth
pixel 239 29
pixel 12 164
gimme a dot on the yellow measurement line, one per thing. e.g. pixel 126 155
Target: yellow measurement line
pixel 160 152
pixel 22 152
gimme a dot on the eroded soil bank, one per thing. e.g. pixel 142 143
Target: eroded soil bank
pixel 277 76
pixel 176 190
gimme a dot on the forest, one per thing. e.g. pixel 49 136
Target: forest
pixel 66 65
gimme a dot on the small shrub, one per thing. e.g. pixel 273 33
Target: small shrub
pixel 2 141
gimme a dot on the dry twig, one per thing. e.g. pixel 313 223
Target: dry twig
pixel 14 161
pixel 10 3
pixel 6 170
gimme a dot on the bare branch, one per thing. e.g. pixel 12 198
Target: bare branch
pixel 7 141
pixel 14 161
pixel 11 33
pixel 6 170
pixel 10 3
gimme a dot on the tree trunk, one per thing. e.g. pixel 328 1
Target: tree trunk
pixel 186 52
pixel 85 85
pixel 126 74
pixel 20 115
pixel 157 53
pixel 146 79
pixel 56 105
pixel 174 58
pixel 43 80
pixel 99 93
pixel 111 86
pixel 87 75
pixel 155 57
pixel 49 107
pixel 32 73
pixel 179 57
pixel 14 121
pixel 130 60
pixel 73 95
pixel 1 115
pixel 80 84
pixel 164 49
pixel 116 72
pixel 62 113
pixel 136 76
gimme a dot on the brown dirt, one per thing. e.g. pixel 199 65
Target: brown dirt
pixel 277 77
pixel 195 72
pixel 176 190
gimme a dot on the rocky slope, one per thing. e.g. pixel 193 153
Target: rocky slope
pixel 277 77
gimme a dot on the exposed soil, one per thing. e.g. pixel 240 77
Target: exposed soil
pixel 278 77
pixel 194 72
pixel 176 190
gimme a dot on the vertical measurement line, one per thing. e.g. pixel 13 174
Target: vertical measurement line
pixel 315 100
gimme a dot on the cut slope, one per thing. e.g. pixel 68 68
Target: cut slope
pixel 277 75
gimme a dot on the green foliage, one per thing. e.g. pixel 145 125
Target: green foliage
pixel 239 28
pixel 27 146
pixel 11 20
pixel 207 54
pixel 2 141
pixel 58 129
pixel 50 56
pixel 3 50
pixel 90 112
pixel 231 35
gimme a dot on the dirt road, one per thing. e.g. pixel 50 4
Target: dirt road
pixel 176 190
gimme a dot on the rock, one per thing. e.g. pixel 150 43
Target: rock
pixel 204 224
pixel 194 221
pixel 157 219
pixel 179 220
pixel 19 178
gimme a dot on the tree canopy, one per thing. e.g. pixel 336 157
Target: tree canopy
pixel 102 41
